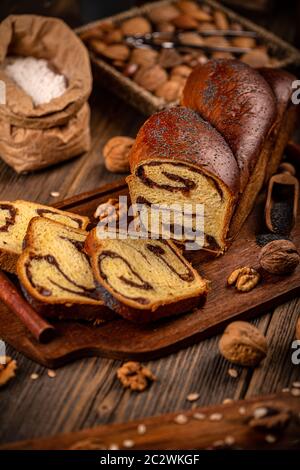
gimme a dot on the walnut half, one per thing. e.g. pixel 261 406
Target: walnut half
pixel 135 376
pixel 7 369
pixel 244 279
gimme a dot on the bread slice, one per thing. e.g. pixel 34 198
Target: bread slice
pixel 144 279
pixel 14 219
pixel 55 272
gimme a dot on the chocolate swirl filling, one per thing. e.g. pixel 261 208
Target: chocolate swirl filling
pixel 141 284
pixel 10 219
pixel 185 185
pixel 90 293
pixel 42 212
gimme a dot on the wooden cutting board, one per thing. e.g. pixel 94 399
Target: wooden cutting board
pixel 124 340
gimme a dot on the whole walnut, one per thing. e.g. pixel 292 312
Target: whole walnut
pixel 163 13
pixel 136 25
pixel 256 58
pixel 192 9
pixel 116 152
pixel 279 257
pixel 151 78
pixel 181 71
pixel 144 57
pixel 116 52
pixel 243 344
pixel 185 22
pixel 170 91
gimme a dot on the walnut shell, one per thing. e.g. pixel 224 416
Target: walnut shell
pixel 191 38
pixel 169 58
pixel 165 27
pixel 185 22
pixel 116 152
pixel 256 58
pixel 222 55
pixel 136 25
pixel 116 52
pixel 144 57
pixel 192 9
pixel 97 45
pixel 151 78
pixel 243 344
pixel 181 71
pixel 7 369
pixel 279 257
pixel 244 42
pixel 114 36
pixel 221 20
pixel 164 13
pixel 170 91
pixel 216 41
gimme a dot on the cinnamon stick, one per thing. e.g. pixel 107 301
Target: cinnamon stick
pixel 9 294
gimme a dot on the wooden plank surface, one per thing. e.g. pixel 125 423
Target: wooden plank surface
pixel 87 393
pixel 232 430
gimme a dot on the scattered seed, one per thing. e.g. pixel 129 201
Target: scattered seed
pixel 141 429
pixel 54 194
pixel 295 392
pixel 216 417
pixel 226 401
pixel 270 438
pixel 229 440
pixel 199 416
pixel 233 373
pixel 181 419
pixel 218 444
pixel 193 397
pixel 34 376
pixel 296 384
pixel 285 390
pixel 260 412
pixel 51 374
pixel 242 410
pixel 113 447
pixel 128 443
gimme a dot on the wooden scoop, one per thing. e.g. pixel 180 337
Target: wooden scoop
pixel 283 186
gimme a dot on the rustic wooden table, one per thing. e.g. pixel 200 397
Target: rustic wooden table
pixel 87 392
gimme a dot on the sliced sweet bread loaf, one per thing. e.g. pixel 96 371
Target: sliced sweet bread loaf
pixel 14 219
pixel 144 280
pixel 55 272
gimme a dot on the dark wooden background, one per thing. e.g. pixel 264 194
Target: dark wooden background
pixel 87 393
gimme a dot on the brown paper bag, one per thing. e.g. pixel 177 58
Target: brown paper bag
pixel 33 137
pixel 32 149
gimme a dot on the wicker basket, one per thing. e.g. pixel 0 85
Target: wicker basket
pixel 145 101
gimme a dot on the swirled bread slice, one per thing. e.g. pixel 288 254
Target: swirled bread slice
pixel 144 280
pixel 14 219
pixel 55 272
